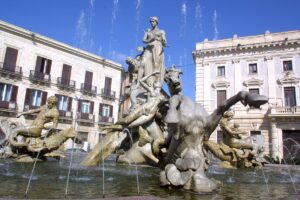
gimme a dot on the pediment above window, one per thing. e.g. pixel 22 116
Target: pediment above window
pixel 288 78
pixel 253 81
pixel 220 82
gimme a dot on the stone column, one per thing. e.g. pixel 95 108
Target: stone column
pixel 274 140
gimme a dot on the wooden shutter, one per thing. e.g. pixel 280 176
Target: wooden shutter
pixel 100 109
pixel 111 109
pixel 66 74
pixel 44 98
pixel 10 59
pixel 289 96
pixel 88 80
pixel 28 97
pixel 69 103
pixel 14 93
pixel 79 106
pixel 92 107
pixel 38 64
pixel 107 85
pixel 221 97
pixel 48 67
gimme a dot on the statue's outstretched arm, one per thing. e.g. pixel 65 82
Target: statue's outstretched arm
pixel 30 111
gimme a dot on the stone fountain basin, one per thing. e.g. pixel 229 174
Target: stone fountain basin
pixel 50 178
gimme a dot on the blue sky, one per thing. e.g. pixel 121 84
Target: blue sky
pixel 114 28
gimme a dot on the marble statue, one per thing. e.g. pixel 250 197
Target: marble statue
pixel 171 133
pixel 241 151
pixel 152 58
pixel 23 141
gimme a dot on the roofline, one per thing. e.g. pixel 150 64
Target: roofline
pixel 58 45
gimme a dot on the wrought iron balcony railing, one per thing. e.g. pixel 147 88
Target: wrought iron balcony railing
pixel 107 93
pixel 8 106
pixel 66 83
pixel 40 77
pixel 13 71
pixel 85 117
pixel 105 120
pixel 65 115
pixel 88 89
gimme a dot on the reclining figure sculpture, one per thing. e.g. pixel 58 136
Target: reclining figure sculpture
pixel 24 142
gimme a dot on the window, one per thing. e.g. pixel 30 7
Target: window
pixel 221 70
pixel 63 103
pixel 252 68
pixel 255 133
pixel 287 65
pixel 43 65
pixel 5 92
pixel 221 97
pixel 85 108
pixel 105 111
pixel 10 59
pixel 254 91
pixel 289 96
pixel 36 96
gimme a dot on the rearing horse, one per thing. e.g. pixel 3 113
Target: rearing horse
pixel 191 125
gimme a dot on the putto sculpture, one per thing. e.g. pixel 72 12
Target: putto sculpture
pixel 23 142
pixel 173 132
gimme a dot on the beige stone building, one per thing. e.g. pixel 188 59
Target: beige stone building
pixel 34 67
pixel 267 64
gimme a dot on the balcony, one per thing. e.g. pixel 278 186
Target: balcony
pixel 37 76
pixel 65 116
pixel 66 83
pixel 30 107
pixel 85 118
pixel 285 111
pixel 103 120
pixel 108 94
pixel 14 71
pixel 8 108
pixel 88 89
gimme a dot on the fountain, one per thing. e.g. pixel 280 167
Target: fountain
pixel 170 155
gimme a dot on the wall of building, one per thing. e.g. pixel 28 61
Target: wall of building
pixel 31 45
pixel 268 52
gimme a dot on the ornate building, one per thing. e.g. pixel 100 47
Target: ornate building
pixel 34 67
pixel 267 64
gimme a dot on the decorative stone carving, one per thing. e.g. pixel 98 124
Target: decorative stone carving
pixel 288 78
pixel 253 81
pixel 23 141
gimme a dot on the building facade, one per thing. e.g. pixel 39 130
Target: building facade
pixel 267 64
pixel 34 67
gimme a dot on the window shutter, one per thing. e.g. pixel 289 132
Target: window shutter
pixel 48 67
pixel 44 98
pixel 111 109
pixel 92 107
pixel 28 97
pixel 221 97
pixel 107 85
pixel 66 74
pixel 88 80
pixel 100 108
pixel 69 103
pixel 14 93
pixel 79 105
pixel 38 64
pixel 10 59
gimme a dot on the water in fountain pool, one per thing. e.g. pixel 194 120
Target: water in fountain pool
pixel 49 180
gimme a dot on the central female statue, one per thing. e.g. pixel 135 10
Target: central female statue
pixel 153 55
